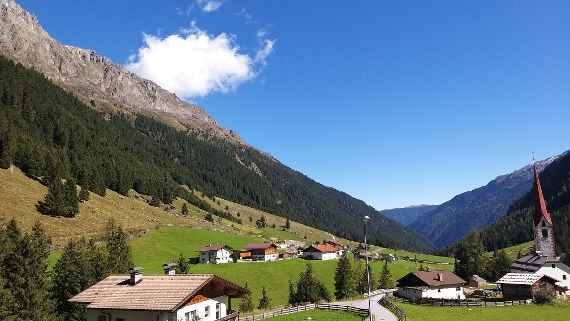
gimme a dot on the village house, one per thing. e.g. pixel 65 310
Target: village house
pixel 478 282
pixel 262 252
pixel 337 245
pixel 520 286
pixel 420 285
pixel 215 254
pixel 320 252
pixel 160 298
pixel 543 260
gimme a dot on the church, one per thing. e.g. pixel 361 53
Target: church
pixel 543 261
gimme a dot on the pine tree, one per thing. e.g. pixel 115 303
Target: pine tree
pixel 310 289
pixel 292 294
pixel 470 256
pixel 362 285
pixel 83 194
pixel 24 270
pixel 119 253
pixel 54 202
pixel 68 279
pixel 499 265
pixel 185 210
pixel 287 224
pixel 71 200
pixel 344 282
pixel 182 267
pixel 264 301
pixel 246 305
pixel 97 261
pixel 386 281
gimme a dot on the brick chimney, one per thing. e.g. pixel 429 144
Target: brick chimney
pixel 169 268
pixel 136 275
pixel 440 277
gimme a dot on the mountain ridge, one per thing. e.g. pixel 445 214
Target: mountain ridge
pixel 475 209
pixel 199 153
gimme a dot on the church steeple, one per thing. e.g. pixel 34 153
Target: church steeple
pixel 543 228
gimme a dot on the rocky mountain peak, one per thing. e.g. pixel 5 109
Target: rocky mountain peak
pixel 95 79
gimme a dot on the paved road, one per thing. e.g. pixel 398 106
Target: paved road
pixel 379 312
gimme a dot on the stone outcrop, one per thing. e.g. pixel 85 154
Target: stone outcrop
pixel 95 79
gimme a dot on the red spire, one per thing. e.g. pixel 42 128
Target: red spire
pixel 540 204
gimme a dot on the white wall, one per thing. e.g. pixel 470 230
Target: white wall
pixel 218 257
pixel 269 257
pixel 201 307
pixel 93 314
pixel 320 256
pixel 446 293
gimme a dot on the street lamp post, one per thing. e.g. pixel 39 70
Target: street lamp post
pixel 366 220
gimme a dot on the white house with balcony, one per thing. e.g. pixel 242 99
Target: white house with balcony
pixel 421 285
pixel 215 254
pixel 133 297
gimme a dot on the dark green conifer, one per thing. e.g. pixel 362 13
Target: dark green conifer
pixel 264 302
pixel 343 280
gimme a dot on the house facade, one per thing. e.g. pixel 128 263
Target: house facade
pixel 215 254
pixel 262 252
pixel 160 298
pixel 320 252
pixel 421 285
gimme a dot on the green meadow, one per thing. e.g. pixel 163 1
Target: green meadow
pixel 157 247
pixel 319 315
pixel 516 313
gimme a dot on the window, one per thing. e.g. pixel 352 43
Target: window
pixel 438 290
pixel 544 233
pixel 564 277
pixel 191 316
pixel 207 312
pixel 543 224
pixel 458 288
pixel 218 310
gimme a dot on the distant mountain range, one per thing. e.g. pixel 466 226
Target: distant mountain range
pixel 476 209
pixel 407 215
pixel 143 137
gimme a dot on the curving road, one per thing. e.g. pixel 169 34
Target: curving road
pixel 379 312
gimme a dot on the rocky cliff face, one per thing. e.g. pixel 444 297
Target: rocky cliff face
pixel 95 79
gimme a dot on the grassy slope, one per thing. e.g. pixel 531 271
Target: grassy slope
pixel 319 315
pixel 518 313
pixel 163 245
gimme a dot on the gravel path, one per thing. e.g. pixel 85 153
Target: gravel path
pixel 379 312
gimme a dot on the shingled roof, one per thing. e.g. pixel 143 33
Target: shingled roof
pixel 322 248
pixel 431 279
pixel 259 246
pixel 153 293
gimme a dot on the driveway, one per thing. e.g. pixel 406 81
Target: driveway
pixel 379 312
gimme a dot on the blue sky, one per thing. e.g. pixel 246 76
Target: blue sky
pixel 394 102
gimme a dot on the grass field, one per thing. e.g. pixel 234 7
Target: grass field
pixel 160 246
pixel 516 313
pixel 319 315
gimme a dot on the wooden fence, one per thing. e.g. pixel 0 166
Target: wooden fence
pixel 388 304
pixel 471 303
pixel 301 308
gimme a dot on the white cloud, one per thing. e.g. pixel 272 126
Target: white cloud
pixel 195 64
pixel 264 52
pixel 209 5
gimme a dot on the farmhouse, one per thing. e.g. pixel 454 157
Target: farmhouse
pixel 543 261
pixel 420 285
pixel 320 252
pixel 262 251
pixel 215 254
pixel 160 298
pixel 518 286
pixel 478 282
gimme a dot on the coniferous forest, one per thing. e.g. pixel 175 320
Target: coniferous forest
pixel 516 226
pixel 55 138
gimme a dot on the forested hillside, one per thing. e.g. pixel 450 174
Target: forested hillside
pixel 49 133
pixel 516 227
pixel 407 215
pixel 476 209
